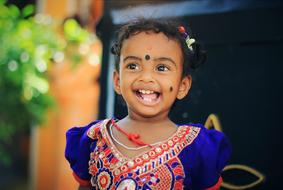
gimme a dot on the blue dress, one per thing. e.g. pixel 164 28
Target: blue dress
pixel 192 158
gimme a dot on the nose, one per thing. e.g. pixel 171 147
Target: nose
pixel 146 76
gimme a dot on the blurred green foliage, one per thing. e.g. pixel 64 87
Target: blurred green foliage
pixel 28 45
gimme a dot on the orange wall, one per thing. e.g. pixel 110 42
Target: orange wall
pixel 55 8
pixel 77 94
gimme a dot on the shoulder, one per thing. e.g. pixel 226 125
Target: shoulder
pixel 209 143
pixel 81 138
pixel 197 140
pixel 95 129
pixel 202 136
pixel 91 130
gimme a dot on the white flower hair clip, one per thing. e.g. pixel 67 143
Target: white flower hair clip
pixel 189 41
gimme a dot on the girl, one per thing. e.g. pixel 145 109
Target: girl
pixel 146 150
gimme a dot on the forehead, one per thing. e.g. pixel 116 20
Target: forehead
pixel 154 44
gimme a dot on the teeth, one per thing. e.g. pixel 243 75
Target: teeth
pixel 146 91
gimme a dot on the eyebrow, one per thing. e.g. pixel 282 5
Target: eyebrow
pixel 155 59
pixel 132 57
pixel 165 59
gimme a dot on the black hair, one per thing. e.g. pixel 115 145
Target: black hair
pixel 192 59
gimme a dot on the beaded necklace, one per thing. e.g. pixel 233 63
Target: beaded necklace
pixel 132 137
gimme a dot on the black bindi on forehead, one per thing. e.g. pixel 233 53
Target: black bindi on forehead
pixel 147 57
pixel 171 88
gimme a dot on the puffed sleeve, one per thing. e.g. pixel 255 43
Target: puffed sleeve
pixel 78 148
pixel 213 155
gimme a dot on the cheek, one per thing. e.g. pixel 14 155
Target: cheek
pixel 169 84
pixel 126 80
pixel 172 84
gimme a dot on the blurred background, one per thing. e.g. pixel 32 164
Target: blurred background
pixel 56 73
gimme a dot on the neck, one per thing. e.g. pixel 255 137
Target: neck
pixel 146 121
pixel 138 122
pixel 136 118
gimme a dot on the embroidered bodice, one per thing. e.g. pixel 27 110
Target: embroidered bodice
pixel 192 158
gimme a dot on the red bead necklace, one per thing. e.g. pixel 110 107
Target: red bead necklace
pixel 131 136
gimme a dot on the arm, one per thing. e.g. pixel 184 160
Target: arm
pixel 214 152
pixel 78 148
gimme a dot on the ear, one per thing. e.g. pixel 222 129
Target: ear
pixel 116 81
pixel 184 87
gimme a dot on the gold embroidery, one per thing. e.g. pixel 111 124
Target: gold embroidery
pixel 94 129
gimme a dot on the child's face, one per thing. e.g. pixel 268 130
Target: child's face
pixel 150 74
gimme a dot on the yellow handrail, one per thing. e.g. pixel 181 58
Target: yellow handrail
pixel 213 122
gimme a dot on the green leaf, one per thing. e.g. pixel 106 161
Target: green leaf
pixel 28 10
pixel 2 2
pixel 74 32
pixel 14 11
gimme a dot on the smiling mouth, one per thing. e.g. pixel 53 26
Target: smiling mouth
pixel 148 97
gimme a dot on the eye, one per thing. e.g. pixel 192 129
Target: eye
pixel 132 66
pixel 162 68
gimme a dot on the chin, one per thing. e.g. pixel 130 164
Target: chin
pixel 147 113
